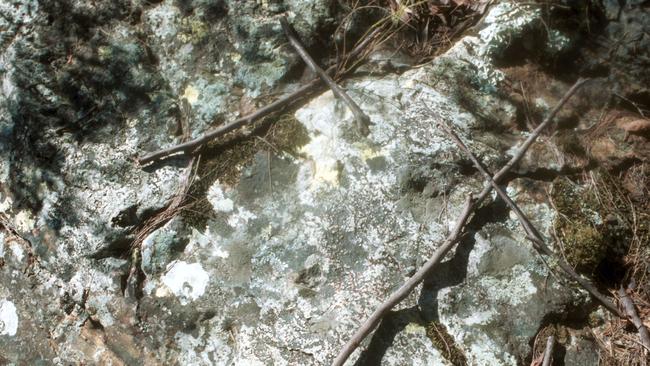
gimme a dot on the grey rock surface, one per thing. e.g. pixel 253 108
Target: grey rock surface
pixel 297 252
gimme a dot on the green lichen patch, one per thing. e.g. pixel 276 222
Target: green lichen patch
pixel 445 343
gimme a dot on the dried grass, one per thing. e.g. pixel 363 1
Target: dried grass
pixel 618 339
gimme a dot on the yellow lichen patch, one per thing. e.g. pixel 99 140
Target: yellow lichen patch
pixel 322 152
pixel 193 30
pixel 104 52
pixel 235 57
pixel 191 94
pixel 368 153
pixel 414 328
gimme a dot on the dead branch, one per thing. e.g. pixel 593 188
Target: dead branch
pixel 630 310
pixel 363 121
pixel 399 295
pixel 548 353
pixel 289 99
pixel 470 205
pixel 532 233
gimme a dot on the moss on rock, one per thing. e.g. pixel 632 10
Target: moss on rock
pixel 221 161
pixel 445 343
pixel 590 223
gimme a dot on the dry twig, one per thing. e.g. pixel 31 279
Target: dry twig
pixel 548 353
pixel 470 205
pixel 631 312
pixel 289 99
pixel 533 234
pixel 363 121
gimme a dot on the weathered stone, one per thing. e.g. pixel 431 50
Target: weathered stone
pixel 304 243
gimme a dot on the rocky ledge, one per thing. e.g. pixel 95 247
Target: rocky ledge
pixel 292 236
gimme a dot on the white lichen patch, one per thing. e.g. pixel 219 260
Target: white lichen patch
pixel 24 221
pixel 17 250
pixel 185 280
pixel 240 218
pixel 515 290
pixel 6 204
pixel 8 318
pixel 205 349
pixel 218 200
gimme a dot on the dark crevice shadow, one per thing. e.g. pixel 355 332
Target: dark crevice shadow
pixel 393 323
pixel 448 273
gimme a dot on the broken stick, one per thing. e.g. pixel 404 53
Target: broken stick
pixel 396 297
pixel 192 145
pixel 362 120
pixel 548 353
pixel 631 312
pixel 532 233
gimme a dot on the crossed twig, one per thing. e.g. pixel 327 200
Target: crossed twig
pixel 470 205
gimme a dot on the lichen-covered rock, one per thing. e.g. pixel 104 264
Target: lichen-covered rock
pixel 297 249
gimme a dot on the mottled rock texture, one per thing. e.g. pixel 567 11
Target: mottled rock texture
pixel 279 260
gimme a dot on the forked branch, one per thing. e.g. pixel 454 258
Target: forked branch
pixel 470 205
pixel 363 121
pixel 289 99
pixel 532 233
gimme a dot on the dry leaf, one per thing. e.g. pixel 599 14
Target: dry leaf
pixel 640 125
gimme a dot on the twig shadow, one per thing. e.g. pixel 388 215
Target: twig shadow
pixel 452 272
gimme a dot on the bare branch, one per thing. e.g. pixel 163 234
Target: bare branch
pixel 401 293
pixel 291 98
pixel 363 121
pixel 396 297
pixel 548 353
pixel 631 312
pixel 533 234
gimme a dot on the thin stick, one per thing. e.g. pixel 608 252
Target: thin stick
pixel 293 97
pixel 631 312
pixel 407 287
pixel 363 121
pixel 548 353
pixel 369 325
pixel 533 234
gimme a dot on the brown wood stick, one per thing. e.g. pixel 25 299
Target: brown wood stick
pixel 396 297
pixel 293 97
pixel 632 314
pixel 548 352
pixel 532 233
pixel 363 121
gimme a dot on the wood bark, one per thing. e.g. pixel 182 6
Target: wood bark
pixel 633 315
pixel 548 352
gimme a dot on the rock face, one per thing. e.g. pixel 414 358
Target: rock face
pixel 292 255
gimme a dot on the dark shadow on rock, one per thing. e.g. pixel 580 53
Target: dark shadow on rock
pixel 393 323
